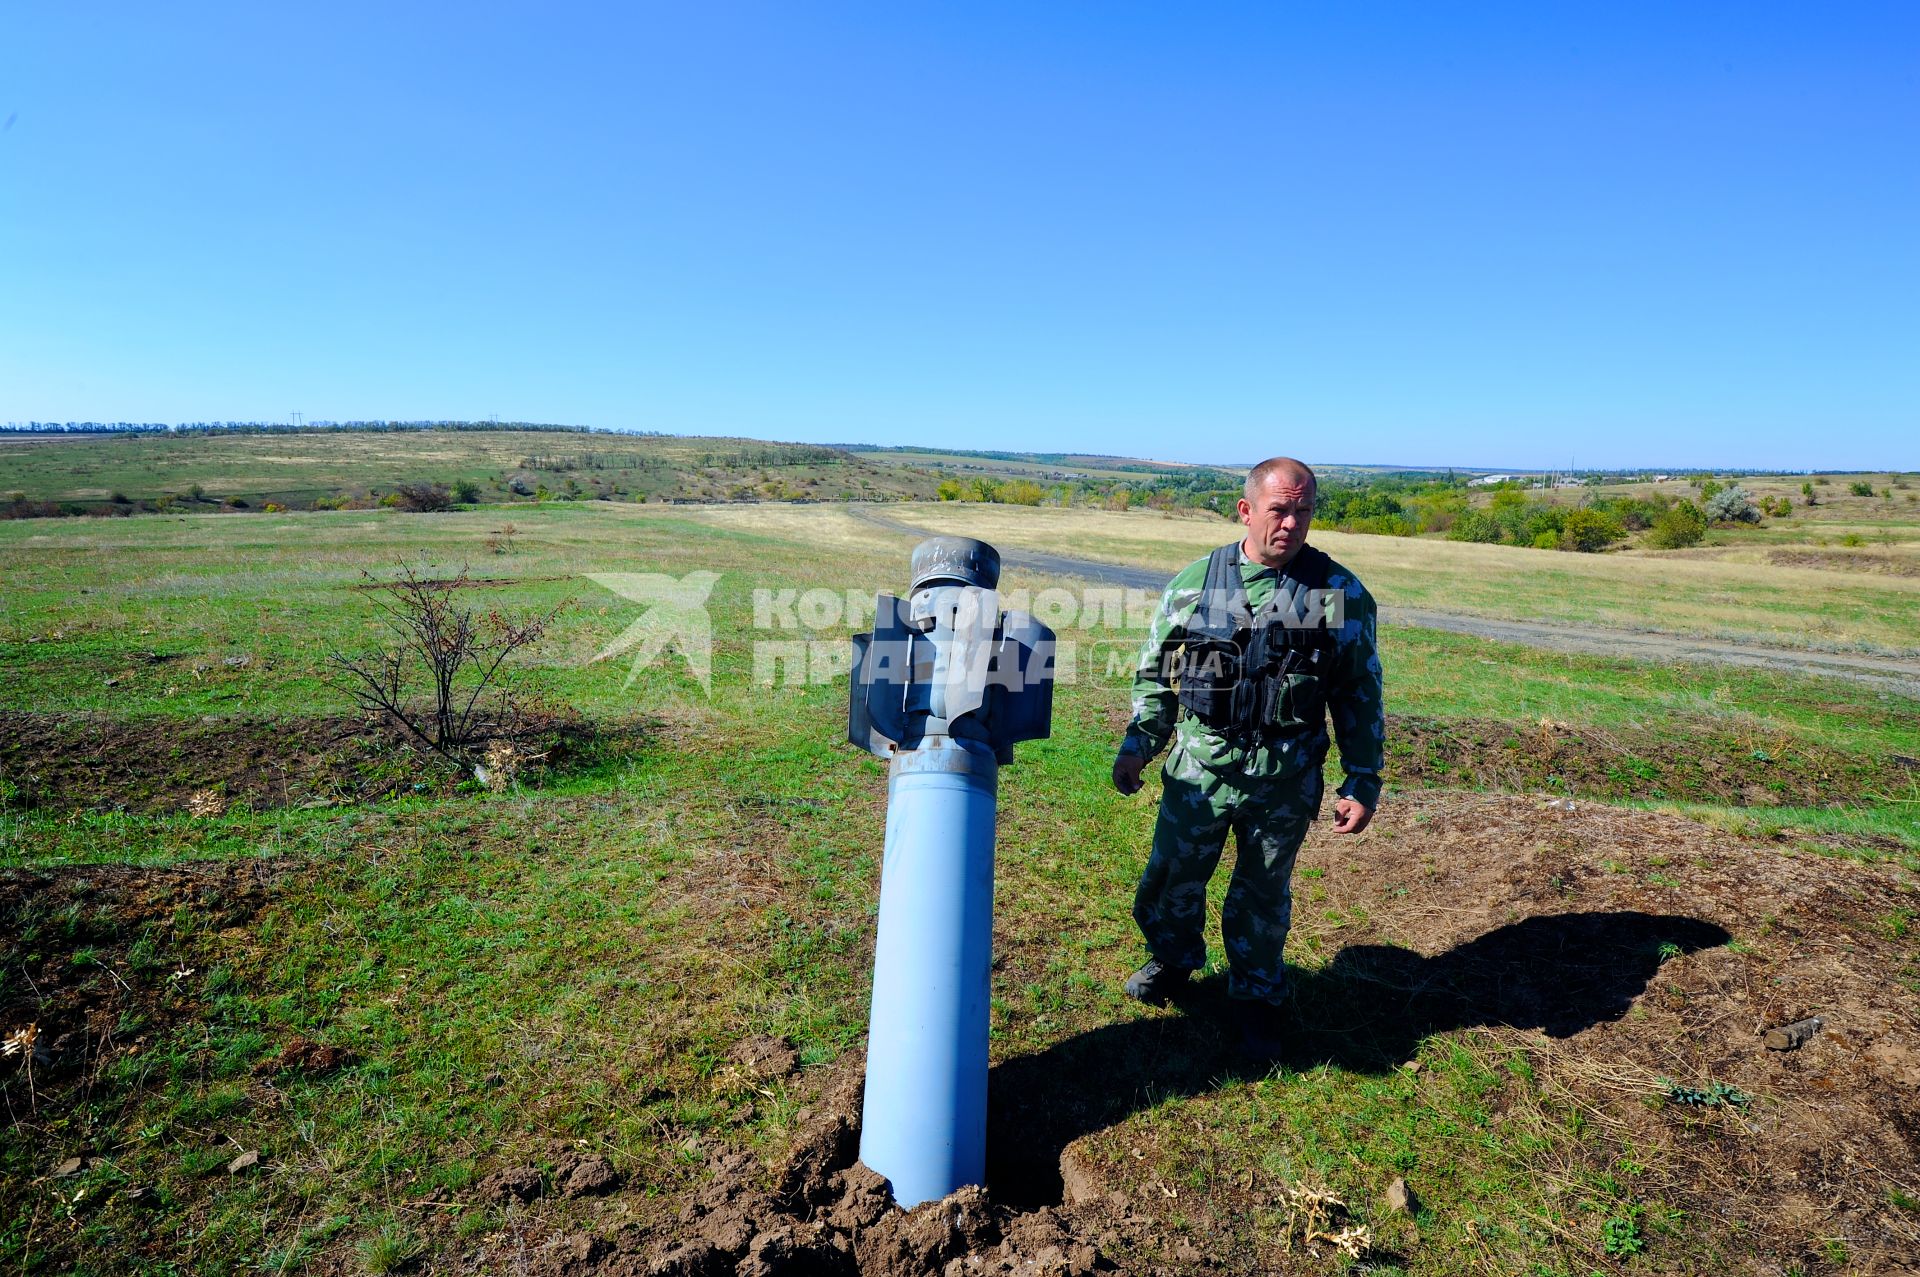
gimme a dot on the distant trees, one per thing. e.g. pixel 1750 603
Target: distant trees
pixel 1513 519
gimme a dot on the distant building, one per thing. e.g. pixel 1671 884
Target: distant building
pixel 1488 480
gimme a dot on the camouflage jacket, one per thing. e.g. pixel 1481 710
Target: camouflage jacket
pixel 1354 699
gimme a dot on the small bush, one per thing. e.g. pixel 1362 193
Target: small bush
pixel 1678 528
pixel 1860 488
pixel 1589 531
pixel 1731 505
pixel 466 492
pixel 420 498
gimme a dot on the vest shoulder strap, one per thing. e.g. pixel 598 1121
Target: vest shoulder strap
pixel 1311 568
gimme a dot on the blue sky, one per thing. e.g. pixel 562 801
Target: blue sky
pixel 1501 235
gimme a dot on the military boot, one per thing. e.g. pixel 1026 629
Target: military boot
pixel 1155 982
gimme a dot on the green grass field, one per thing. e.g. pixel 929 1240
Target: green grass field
pixel 295 469
pixel 567 965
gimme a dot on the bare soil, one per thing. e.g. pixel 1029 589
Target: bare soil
pixel 1680 762
pixel 125 993
pixel 1846 561
pixel 206 765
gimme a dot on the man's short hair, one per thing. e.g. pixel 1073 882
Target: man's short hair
pixel 1285 466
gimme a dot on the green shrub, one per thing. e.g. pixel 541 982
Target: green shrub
pixel 1474 525
pixel 1391 525
pixel 1860 488
pixel 1589 531
pixel 1731 505
pixel 1678 528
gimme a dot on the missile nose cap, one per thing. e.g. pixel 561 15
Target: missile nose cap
pixel 955 561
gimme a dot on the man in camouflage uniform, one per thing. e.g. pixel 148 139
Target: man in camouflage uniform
pixel 1260 774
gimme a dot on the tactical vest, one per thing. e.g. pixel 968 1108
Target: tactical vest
pixel 1250 676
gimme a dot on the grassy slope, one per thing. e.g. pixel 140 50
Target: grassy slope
pixel 597 945
pixel 298 468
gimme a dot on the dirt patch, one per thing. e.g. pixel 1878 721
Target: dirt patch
pixel 1691 763
pixel 468 582
pixel 205 766
pixel 1846 561
pixel 823 1212
pixel 103 972
pixel 302 1055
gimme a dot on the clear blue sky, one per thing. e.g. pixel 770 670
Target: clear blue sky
pixel 1476 234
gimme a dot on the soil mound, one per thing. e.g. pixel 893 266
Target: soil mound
pixel 1678 762
pixel 822 1213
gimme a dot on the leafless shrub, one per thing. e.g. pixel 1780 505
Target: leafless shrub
pixel 443 678
pixel 424 498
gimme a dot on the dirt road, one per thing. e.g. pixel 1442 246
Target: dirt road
pixel 1893 673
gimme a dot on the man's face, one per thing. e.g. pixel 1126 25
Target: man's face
pixel 1277 522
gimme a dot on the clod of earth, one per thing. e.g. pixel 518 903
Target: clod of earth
pixel 829 1214
pixel 515 1184
pixel 1401 1197
pixel 305 1056
pixel 765 1057
pixel 590 1176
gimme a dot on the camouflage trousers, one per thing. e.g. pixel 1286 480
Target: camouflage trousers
pixel 1269 820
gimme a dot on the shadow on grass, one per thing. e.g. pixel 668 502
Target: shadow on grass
pixel 1367 1011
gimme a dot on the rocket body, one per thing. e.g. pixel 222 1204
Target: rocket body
pixel 924 1121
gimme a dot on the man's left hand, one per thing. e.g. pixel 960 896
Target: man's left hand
pixel 1350 816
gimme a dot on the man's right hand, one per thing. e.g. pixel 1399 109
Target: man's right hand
pixel 1126 773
